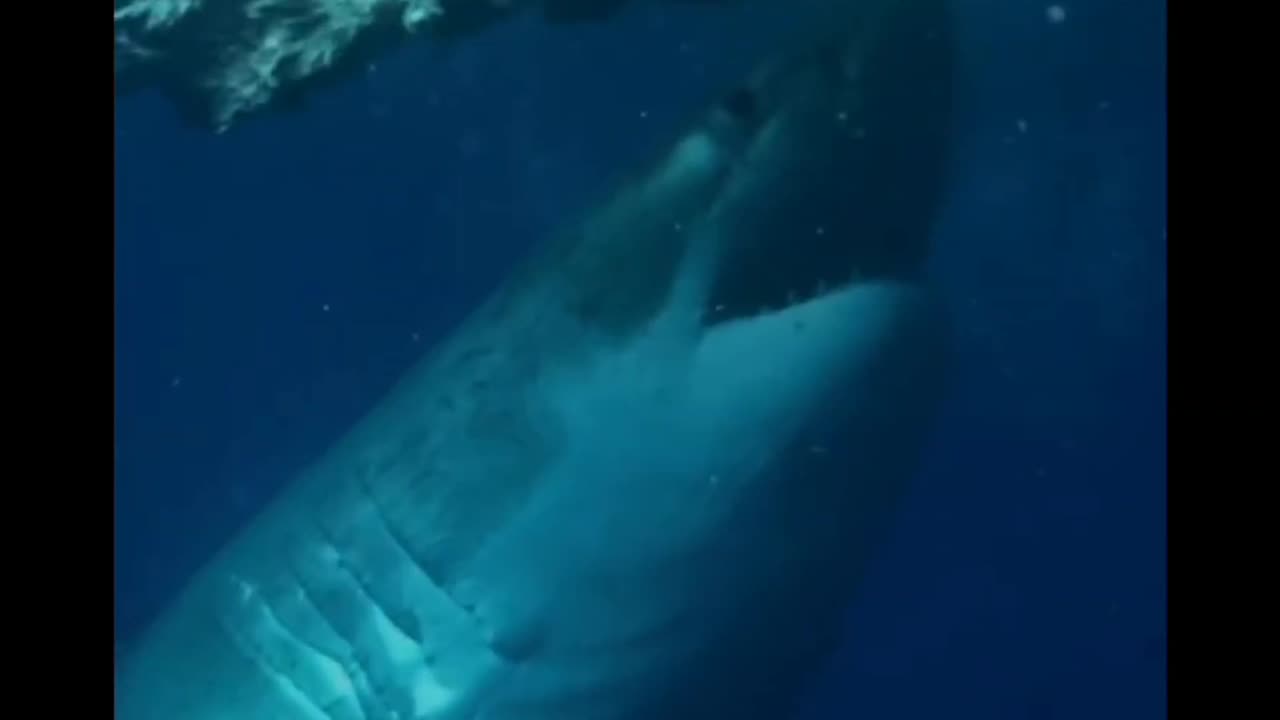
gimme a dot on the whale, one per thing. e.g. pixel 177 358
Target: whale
pixel 645 478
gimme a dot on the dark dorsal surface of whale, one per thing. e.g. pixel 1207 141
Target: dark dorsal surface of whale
pixel 642 480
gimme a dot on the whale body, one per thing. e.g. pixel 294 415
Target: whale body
pixel 642 480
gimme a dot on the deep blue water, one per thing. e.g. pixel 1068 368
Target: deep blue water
pixel 272 283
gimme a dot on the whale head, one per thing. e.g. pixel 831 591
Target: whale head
pixel 822 166
pixel 755 360
pixel 643 479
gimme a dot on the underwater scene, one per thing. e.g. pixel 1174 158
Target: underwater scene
pixel 640 360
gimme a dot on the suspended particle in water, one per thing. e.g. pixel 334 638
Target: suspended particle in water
pixel 1055 13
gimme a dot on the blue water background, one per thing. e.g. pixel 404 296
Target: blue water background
pixel 271 284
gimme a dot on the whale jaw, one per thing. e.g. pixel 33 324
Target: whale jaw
pixel 694 544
